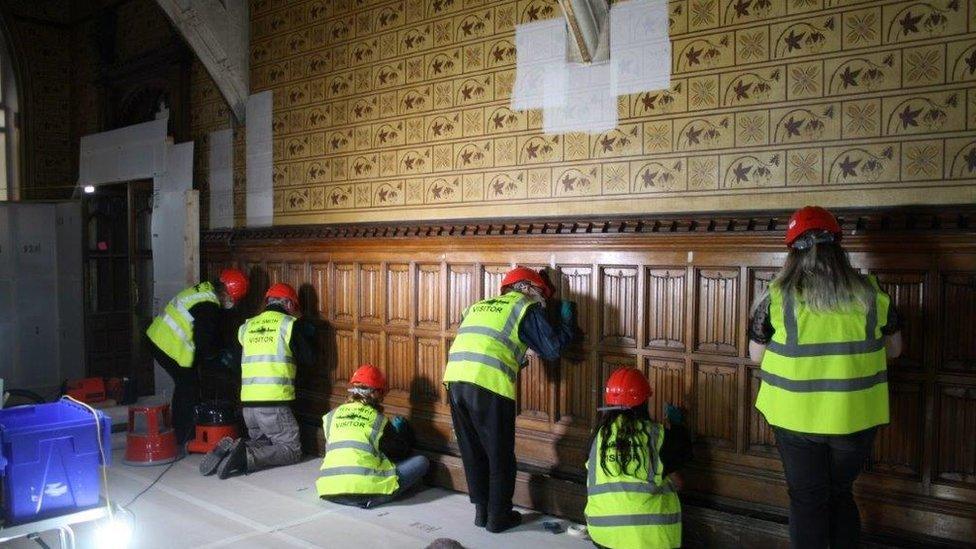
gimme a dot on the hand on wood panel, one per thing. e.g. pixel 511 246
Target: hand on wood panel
pixel 677 481
pixel 893 345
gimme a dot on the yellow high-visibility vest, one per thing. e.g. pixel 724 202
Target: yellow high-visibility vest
pixel 487 351
pixel 824 372
pixel 172 331
pixel 634 509
pixel 267 364
pixel 353 463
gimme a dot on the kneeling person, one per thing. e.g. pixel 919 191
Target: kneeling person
pixel 367 458
pixel 273 343
pixel 632 475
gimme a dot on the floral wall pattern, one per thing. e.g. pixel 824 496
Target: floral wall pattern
pixel 399 109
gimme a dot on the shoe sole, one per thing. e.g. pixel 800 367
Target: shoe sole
pixel 222 469
pixel 211 461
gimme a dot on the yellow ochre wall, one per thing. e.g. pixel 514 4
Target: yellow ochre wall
pixel 399 109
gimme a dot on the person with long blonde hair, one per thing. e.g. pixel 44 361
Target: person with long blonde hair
pixel 823 333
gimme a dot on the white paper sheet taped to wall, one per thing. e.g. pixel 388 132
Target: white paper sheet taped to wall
pixel 221 179
pixel 260 207
pixel 591 102
pixel 640 47
pixel 578 97
pixel 540 69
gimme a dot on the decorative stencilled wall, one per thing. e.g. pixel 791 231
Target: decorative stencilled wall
pixel 398 109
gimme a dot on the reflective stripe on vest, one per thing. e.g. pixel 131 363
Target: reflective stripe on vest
pixel 172 331
pixel 487 351
pixel 632 509
pixel 267 366
pixel 824 376
pixel 353 463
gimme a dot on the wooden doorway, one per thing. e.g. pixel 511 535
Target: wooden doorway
pixel 119 282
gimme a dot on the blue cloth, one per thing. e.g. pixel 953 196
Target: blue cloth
pixel 536 332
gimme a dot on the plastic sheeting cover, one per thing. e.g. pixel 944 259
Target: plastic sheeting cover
pixel 221 179
pixel 260 202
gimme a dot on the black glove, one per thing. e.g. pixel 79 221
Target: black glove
pixel 227 360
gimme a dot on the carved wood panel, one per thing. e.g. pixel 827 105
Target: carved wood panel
pixel 371 300
pixel 683 324
pixel 715 404
pixel 907 291
pixel 898 448
pixel 665 308
pixel 460 292
pixel 428 291
pixel 957 434
pixel 576 285
pixel 717 326
pixel 398 294
pixel 618 288
pixel 959 321
pixel 344 292
pixel 667 379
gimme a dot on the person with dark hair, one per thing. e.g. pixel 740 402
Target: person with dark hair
pixel 368 459
pixel 481 377
pixel 274 344
pixel 823 333
pixel 632 472
pixel 186 336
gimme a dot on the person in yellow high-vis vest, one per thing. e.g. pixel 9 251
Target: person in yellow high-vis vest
pixel 823 333
pixel 367 457
pixel 481 375
pixel 632 472
pixel 185 336
pixel 273 344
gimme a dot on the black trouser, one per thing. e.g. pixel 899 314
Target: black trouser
pixel 186 394
pixel 820 471
pixel 484 423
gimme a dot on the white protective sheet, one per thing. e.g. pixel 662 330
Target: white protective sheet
pixel 541 77
pixel 260 205
pixel 591 102
pixel 640 48
pixel 221 179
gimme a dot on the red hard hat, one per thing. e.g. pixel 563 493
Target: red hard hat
pixel 282 291
pixel 235 282
pixel 627 387
pixel 519 274
pixel 811 218
pixel 369 376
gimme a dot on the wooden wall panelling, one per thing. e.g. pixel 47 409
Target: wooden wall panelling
pixel 683 323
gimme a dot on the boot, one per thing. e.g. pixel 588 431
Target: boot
pixel 500 523
pixel 235 463
pixel 211 461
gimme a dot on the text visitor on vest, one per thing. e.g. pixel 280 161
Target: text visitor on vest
pixel 481 375
pixel 632 475
pixel 274 343
pixel 823 333
pixel 368 459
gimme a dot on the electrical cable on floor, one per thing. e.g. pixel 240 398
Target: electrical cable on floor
pixel 153 483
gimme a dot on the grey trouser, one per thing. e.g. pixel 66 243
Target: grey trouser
pixel 273 434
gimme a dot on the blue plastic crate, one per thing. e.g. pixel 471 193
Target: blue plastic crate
pixel 49 458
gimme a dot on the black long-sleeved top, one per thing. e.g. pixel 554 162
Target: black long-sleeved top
pixel 206 332
pixel 676 450
pixel 540 336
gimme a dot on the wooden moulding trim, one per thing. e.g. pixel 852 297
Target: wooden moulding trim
pixel 943 219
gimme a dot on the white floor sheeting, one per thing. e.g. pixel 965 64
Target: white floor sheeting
pixel 279 508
